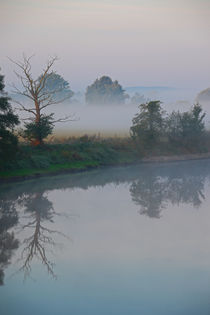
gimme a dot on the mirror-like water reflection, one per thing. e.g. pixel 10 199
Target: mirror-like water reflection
pixel 125 240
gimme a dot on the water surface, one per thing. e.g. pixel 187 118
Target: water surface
pixel 130 240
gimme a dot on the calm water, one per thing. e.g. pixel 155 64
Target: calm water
pixel 132 240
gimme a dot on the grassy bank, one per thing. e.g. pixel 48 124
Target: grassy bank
pixel 79 154
pixel 73 155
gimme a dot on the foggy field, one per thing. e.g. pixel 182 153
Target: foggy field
pixel 108 120
pixel 114 120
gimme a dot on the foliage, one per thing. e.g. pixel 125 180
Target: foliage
pixel 56 85
pixel 187 129
pixel 105 91
pixel 80 153
pixel 148 125
pixel 8 121
pixel 38 130
pixel 178 133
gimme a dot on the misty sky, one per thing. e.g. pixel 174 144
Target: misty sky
pixel 138 42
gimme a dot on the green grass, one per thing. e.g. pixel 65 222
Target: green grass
pixel 51 169
pixel 78 154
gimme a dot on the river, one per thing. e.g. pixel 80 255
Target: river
pixel 121 240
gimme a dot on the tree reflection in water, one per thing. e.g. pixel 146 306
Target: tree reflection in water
pixel 38 209
pixel 153 193
pixel 8 242
pixel 149 193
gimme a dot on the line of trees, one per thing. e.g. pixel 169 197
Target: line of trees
pixel 154 130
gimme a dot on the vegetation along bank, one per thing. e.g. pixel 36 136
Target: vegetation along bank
pixel 154 134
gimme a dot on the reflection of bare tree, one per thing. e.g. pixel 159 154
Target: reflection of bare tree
pixel 8 243
pixel 153 192
pixel 38 209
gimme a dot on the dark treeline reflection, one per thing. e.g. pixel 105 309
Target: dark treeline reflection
pixel 152 188
pixel 152 193
pixel 8 242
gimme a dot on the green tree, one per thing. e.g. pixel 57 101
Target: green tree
pixel 57 86
pixel 187 129
pixel 8 121
pixel 105 91
pixel 148 125
pixel 37 132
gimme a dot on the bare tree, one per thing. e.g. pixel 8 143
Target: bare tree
pixel 41 98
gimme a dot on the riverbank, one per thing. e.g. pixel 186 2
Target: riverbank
pixel 176 158
pixel 85 165
pixel 77 155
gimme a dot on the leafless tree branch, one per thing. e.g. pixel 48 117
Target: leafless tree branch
pixel 23 108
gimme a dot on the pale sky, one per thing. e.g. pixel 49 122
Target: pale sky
pixel 137 42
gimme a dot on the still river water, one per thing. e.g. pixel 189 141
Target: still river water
pixel 130 240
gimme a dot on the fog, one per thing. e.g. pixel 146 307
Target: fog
pixel 134 41
pixel 115 120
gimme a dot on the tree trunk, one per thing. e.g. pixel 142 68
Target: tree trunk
pixel 38 140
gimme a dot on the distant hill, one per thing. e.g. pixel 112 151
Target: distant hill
pixel 204 96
